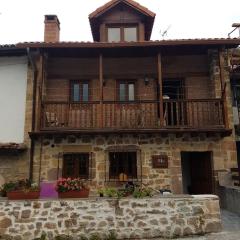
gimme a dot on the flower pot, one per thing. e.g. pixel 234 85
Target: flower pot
pixel 84 193
pixel 22 195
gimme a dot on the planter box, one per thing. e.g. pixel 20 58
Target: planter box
pixel 74 194
pixel 21 195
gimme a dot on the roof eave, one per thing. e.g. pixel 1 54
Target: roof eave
pixel 228 43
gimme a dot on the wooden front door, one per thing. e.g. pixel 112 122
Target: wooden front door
pixel 197 172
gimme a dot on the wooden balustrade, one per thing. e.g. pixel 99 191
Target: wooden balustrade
pixel 197 113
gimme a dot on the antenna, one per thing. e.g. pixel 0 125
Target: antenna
pixel 164 33
pixel 236 27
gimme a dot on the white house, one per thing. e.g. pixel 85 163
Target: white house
pixel 13 92
pixel 13 85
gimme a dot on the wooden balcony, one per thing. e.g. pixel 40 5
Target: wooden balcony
pixel 138 115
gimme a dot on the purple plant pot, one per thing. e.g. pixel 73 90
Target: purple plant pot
pixel 48 190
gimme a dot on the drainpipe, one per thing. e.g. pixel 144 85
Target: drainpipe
pixel 33 113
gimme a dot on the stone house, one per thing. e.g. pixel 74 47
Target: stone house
pixel 125 108
pixel 235 85
pixel 15 105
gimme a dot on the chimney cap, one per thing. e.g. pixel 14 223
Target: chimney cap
pixel 51 18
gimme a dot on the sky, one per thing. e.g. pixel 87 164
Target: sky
pixel 23 20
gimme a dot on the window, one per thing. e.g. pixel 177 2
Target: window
pixel 114 35
pixel 79 91
pixel 126 91
pixel 123 163
pixel 76 165
pixel 122 33
pixel 130 34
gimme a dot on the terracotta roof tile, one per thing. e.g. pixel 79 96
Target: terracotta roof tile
pixel 169 42
pixel 12 146
pixel 3 46
pixel 132 3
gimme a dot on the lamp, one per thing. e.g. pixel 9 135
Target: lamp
pixel 104 82
pixel 146 81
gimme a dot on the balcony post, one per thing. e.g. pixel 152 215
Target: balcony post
pixel 160 87
pixel 223 88
pixel 101 88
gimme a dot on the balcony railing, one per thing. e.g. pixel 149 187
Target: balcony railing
pixel 197 113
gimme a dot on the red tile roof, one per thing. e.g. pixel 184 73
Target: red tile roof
pixel 171 42
pixel 12 146
pixel 112 3
pixel 93 17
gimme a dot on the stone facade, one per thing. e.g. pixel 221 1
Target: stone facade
pixel 128 218
pixel 48 155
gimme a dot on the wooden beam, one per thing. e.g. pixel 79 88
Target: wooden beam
pixel 221 66
pixel 160 85
pixel 38 92
pixel 101 88
pixel 223 87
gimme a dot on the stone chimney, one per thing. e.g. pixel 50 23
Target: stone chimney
pixel 52 28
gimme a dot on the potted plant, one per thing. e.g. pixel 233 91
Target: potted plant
pixel 101 192
pixel 72 188
pixel 21 189
pixel 142 192
pixel 110 192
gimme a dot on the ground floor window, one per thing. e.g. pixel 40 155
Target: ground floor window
pixel 76 165
pixel 122 166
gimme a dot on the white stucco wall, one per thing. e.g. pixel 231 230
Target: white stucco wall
pixel 13 84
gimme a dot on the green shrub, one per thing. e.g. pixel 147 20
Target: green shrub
pixel 110 192
pixel 142 192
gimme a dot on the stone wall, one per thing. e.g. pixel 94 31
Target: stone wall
pixel 229 198
pixel 48 154
pixel 129 218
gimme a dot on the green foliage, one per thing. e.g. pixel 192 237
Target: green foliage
pixel 21 185
pixel 110 192
pixel 120 194
pixel 7 187
pixel 101 191
pixel 142 192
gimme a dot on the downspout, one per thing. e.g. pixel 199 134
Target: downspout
pixel 32 148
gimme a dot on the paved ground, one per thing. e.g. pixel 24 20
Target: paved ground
pixel 231 229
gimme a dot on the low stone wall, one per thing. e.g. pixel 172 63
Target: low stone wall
pixel 128 217
pixel 229 198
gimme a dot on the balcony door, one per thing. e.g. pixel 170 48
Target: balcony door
pixel 80 111
pixel 175 110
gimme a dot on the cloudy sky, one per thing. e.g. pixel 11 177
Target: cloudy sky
pixel 22 20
